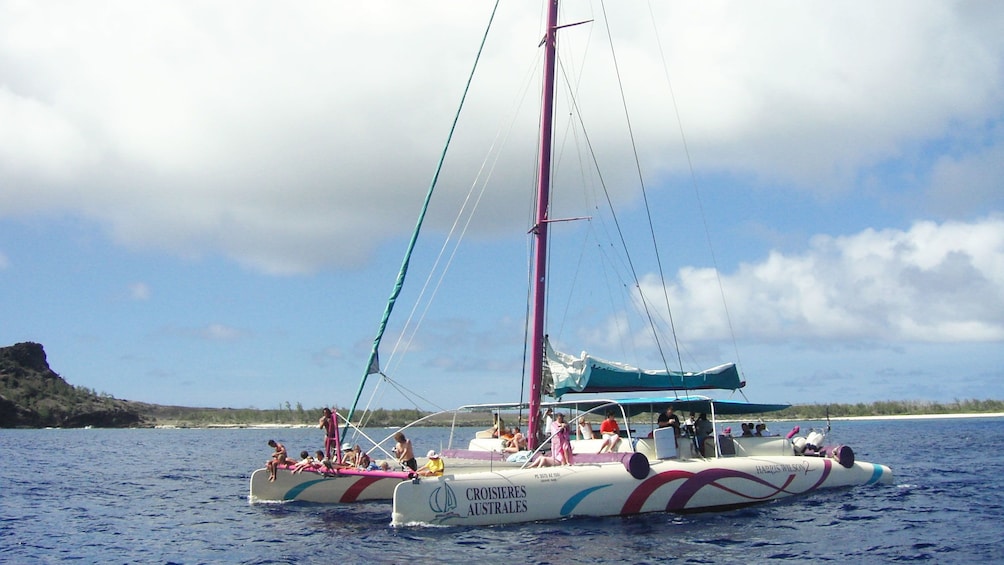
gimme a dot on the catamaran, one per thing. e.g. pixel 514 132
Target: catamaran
pixel 665 473
pixel 672 469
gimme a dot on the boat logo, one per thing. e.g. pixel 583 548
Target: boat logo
pixel 442 499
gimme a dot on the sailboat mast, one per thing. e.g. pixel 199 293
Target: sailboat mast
pixel 540 227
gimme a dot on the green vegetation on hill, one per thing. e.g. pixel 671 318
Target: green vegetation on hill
pixel 34 396
pixel 287 415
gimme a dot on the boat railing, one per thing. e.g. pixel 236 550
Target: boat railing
pixel 379 445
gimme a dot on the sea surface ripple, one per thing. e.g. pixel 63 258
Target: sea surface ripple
pixel 181 496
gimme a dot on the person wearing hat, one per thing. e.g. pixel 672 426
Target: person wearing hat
pixel 435 466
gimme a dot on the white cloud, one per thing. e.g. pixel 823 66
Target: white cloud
pixel 38 143
pixel 931 283
pixel 291 137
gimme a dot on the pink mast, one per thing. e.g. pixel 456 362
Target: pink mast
pixel 540 227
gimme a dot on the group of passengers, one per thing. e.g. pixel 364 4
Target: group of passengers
pixel 513 441
pixel 354 458
pixel 351 458
pixel 754 430
pixel 405 454
pixel 280 458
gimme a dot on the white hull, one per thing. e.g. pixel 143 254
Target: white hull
pixel 328 489
pixel 346 486
pixel 609 489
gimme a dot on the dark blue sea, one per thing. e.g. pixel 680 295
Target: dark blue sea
pixel 181 496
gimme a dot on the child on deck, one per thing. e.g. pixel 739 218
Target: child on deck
pixel 323 463
pixel 306 462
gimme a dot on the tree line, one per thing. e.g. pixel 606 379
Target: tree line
pixel 296 415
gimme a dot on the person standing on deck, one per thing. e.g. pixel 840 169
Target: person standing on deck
pixel 561 446
pixel 404 452
pixel 672 420
pixel 330 427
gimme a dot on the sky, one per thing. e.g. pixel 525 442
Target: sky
pixel 206 203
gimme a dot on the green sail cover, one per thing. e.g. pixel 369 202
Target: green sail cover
pixel 586 374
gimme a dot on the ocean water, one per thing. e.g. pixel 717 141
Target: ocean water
pixel 181 496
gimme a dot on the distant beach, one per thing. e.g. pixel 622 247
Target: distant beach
pixel 922 416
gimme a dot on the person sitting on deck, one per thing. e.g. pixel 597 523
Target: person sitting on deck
pixel 306 462
pixel 435 466
pixel 544 461
pixel 278 458
pixel 361 459
pixel 506 438
pixel 747 432
pixel 349 459
pixel 517 443
pixel 702 429
pixel 323 463
pixel 688 425
pixel 585 429
pixel 498 427
pixel 367 463
pixel 611 433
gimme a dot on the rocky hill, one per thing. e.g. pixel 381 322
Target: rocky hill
pixel 33 396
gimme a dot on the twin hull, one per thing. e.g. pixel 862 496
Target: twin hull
pixel 357 486
pixel 608 489
pixel 345 485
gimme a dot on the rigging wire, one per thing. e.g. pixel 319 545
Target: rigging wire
pixel 372 365
pixel 648 208
pixel 452 241
pixel 609 203
pixel 694 184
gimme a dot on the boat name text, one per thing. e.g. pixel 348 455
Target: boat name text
pixel 496 500
pixel 782 468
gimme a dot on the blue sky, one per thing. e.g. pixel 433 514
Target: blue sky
pixel 206 204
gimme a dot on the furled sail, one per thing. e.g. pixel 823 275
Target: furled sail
pixel 587 374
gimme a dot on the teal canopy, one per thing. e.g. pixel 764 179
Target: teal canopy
pixel 587 374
